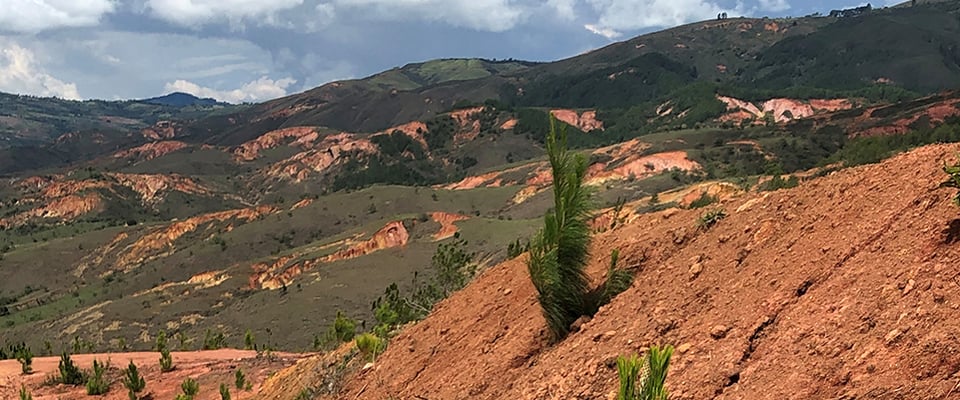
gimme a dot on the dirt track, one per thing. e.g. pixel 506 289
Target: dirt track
pixel 846 287
pixel 209 368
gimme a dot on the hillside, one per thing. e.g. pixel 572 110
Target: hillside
pixel 840 288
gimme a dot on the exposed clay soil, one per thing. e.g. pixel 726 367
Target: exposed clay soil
pixel 846 287
pixel 209 368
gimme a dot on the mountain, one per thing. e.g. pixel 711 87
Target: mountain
pixel 180 99
pixel 277 217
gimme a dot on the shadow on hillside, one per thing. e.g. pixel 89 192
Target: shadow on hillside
pixel 952 232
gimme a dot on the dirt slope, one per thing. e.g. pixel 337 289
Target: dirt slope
pixel 842 288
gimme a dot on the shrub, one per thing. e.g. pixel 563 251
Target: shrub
pixel 343 330
pixel 704 200
pixel 96 385
pixel 516 248
pixel 190 389
pixel 644 380
pixel 69 373
pixel 560 250
pixel 248 341
pixel 25 357
pixel 239 379
pixel 710 218
pixel 370 345
pixel 953 172
pixel 24 394
pixel 213 341
pixel 133 381
pixel 166 361
pixel 224 392
pixel 777 182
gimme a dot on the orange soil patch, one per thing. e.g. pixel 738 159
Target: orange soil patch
pixel 160 242
pixel 151 150
pixel 791 296
pixel 490 179
pixel 783 110
pixel 281 272
pixel 152 187
pixel 296 136
pixel 641 167
pixel 509 124
pixel 301 204
pixel 586 121
pixel 413 129
pixel 936 113
pixel 161 130
pixel 447 226
pixel 209 368
pixel 325 154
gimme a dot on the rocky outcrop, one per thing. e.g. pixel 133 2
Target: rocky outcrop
pixel 447 224
pixel 782 110
pixel 151 150
pixel 300 136
pixel 152 188
pixel 585 121
pixel 329 152
pixel 66 208
pixel 280 272
pixel 162 130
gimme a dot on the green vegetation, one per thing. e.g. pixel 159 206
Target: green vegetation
pixel 559 252
pixel 711 218
pixel 370 345
pixel 873 149
pixel 25 357
pixel 133 381
pixel 343 330
pixel 24 394
pixel 704 200
pixel 777 182
pixel 239 380
pixel 96 384
pixel 190 389
pixel 249 342
pixel 166 360
pixel 644 379
pixel 70 374
pixel 224 392
pixel 213 341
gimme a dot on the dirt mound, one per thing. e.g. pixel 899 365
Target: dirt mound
pixel 151 150
pixel 209 368
pixel 841 288
pixel 586 121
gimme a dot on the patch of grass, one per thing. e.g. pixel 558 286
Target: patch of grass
pixel 370 345
pixel 704 200
pixel 711 218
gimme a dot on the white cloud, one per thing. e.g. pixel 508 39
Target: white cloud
pixel 20 74
pixel 483 15
pixel 198 12
pixel 564 8
pixel 259 90
pixel 774 5
pixel 640 14
pixel 38 15
pixel 605 32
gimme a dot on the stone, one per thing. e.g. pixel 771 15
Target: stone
pixel 695 270
pixel 892 336
pixel 909 287
pixel 683 348
pixel 718 332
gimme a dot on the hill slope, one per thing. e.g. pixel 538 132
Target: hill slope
pixel 841 288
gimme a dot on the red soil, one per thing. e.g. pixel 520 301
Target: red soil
pixel 842 288
pixel 446 221
pixel 586 121
pixel 151 150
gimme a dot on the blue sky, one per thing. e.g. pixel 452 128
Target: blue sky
pixel 254 50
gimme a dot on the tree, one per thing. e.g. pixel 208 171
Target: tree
pixel 69 373
pixel 644 380
pixel 166 360
pixel 24 394
pixel 248 341
pixel 224 392
pixel 239 379
pixel 25 357
pixel 190 389
pixel 560 250
pixel 96 384
pixel 133 381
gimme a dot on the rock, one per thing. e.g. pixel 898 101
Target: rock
pixel 669 213
pixel 695 270
pixel 367 366
pixel 718 332
pixel 892 336
pixel 507 292
pixel 580 323
pixel 909 287
pixel 683 348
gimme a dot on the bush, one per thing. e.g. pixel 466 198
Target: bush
pixel 96 385
pixel 343 330
pixel 370 345
pixel 224 392
pixel 777 182
pixel 248 341
pixel 239 379
pixel 166 361
pixel 213 341
pixel 190 389
pixel 710 218
pixel 644 380
pixel 953 173
pixel 560 250
pixel 704 200
pixel 25 357
pixel 133 381
pixel 69 373
pixel 24 394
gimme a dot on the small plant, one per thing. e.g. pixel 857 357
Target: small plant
pixel 161 340
pixel 370 346
pixel 133 381
pixel 343 330
pixel 25 357
pixel 190 389
pixel 644 380
pixel 239 379
pixel 24 394
pixel 224 392
pixel 248 341
pixel 96 385
pixel 704 200
pixel 711 218
pixel 953 171
pixel 69 373
pixel 213 341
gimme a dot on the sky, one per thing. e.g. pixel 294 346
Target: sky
pixel 255 50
